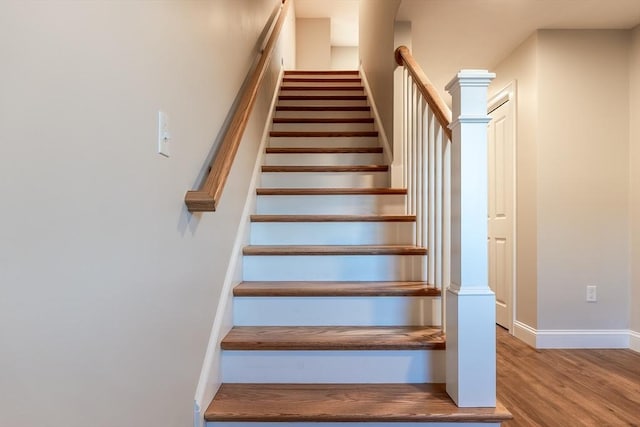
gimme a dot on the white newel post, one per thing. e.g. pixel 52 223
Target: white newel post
pixel 470 303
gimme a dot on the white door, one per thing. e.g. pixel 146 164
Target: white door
pixel 501 207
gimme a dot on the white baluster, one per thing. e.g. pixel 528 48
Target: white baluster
pixel 439 136
pixel 431 215
pixel 419 170
pixel 424 231
pixel 405 133
pixel 446 228
pixel 410 153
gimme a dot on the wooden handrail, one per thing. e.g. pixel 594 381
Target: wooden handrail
pixel 426 88
pixel 206 198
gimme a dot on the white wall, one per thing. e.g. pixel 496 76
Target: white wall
pixel 344 58
pixel 634 188
pixel 313 43
pixel 377 54
pixel 583 143
pixel 522 67
pixel 109 286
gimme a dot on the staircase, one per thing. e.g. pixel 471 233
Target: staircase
pixel 333 323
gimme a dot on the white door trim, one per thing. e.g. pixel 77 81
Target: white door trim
pixel 508 94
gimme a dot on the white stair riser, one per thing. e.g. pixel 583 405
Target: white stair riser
pixel 323 114
pixel 340 366
pixel 332 233
pixel 323 159
pixel 322 102
pixel 334 267
pixel 350 424
pixel 335 311
pixel 325 179
pixel 322 127
pixel 323 92
pixel 362 204
pixel 347 141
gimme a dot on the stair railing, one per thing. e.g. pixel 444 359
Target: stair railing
pixel 427 167
pixel 207 197
pixel 445 172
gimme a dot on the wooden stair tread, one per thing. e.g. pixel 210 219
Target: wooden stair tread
pixel 323 120
pixel 322 72
pixel 322 97
pixel 335 289
pixel 333 218
pixel 323 88
pixel 329 191
pixel 323 108
pixel 324 150
pixel 313 168
pixel 323 134
pixel 301 338
pixel 322 80
pixel 275 250
pixel 344 403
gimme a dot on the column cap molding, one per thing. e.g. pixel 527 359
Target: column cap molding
pixel 470 78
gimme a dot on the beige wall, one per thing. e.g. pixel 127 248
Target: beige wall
pixel 583 142
pixel 344 58
pixel 521 67
pixel 376 54
pixel 313 43
pixel 573 145
pixel 109 287
pixel 634 169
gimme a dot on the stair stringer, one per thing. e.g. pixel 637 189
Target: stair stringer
pixel 395 175
pixel 211 372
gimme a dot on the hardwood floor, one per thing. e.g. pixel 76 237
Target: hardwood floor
pixel 567 388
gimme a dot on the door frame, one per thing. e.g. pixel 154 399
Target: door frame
pixel 508 95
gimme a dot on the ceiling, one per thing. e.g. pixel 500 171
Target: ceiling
pixel 475 33
pixel 480 33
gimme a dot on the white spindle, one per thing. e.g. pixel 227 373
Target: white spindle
pixel 415 114
pixel 419 170
pixel 431 189
pixel 446 230
pixel 410 157
pixel 405 131
pixel 439 143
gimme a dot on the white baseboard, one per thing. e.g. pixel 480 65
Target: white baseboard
pixel 576 338
pixel 634 341
pixel 603 338
pixel 525 333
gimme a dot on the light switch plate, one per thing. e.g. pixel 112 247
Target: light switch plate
pixel 163 134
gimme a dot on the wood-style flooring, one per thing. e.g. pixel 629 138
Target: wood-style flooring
pixel 567 388
pixel 318 403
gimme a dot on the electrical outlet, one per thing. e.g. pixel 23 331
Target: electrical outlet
pixel 591 293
